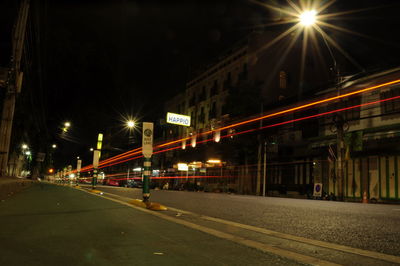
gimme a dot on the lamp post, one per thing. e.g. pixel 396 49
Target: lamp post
pixel 306 19
pixel 130 124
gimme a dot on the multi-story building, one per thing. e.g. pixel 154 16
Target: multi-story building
pixel 250 64
pixel 371 157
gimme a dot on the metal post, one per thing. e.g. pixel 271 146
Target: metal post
pixel 340 148
pixel 258 183
pixel 265 169
pixel 146 179
pixel 94 178
pixel 96 157
pixel 147 150
pixel 78 171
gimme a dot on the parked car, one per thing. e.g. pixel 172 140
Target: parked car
pixel 135 183
pixel 112 182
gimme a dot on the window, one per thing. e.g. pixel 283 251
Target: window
pixel 228 82
pixel 393 105
pixel 213 111
pixel 202 95
pixel 201 115
pixel 192 100
pixel 351 114
pixel 214 89
pixel 282 80
pixel 243 75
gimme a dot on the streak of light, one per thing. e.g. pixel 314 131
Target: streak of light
pixel 104 164
pixel 279 9
pixel 343 29
pixel 278 38
pixel 330 112
pixel 297 108
pixel 337 46
pixel 296 120
pixel 347 12
pixel 190 177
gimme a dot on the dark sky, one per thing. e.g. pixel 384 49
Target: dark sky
pixel 103 60
pixel 122 58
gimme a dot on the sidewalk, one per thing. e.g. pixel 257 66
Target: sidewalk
pixel 57 225
pixel 12 185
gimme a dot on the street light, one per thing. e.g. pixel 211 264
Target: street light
pixel 91 149
pixel 24 146
pixel 308 18
pixel 67 124
pixel 130 124
pixel 54 146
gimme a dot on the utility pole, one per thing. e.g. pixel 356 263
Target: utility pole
pixel 13 86
pixel 260 144
pixel 265 169
pixel 339 124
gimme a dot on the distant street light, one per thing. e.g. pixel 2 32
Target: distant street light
pixel 91 149
pixel 67 125
pixel 28 153
pixel 24 146
pixel 54 146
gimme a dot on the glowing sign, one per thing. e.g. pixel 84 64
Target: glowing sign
pixel 183 167
pixel 178 119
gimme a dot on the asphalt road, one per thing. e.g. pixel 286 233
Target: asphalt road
pixel 374 227
pixel 56 225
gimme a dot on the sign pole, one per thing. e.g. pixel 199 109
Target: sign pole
pixel 146 179
pixel 96 156
pixel 147 150
pixel 78 171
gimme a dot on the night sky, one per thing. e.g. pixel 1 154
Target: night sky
pixel 106 60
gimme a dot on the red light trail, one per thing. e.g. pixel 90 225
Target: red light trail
pixel 119 158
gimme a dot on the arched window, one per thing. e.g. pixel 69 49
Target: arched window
pixel 282 80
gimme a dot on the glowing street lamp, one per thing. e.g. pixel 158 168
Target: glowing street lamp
pixel 130 124
pixel 54 146
pixel 308 18
pixel 91 149
pixel 24 146
pixel 67 124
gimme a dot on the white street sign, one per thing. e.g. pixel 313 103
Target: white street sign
pixel 96 156
pixel 178 119
pixel 79 165
pixel 317 190
pixel 147 140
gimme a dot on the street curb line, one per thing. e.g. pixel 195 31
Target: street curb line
pixel 342 248
pixel 318 243
pixel 240 240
